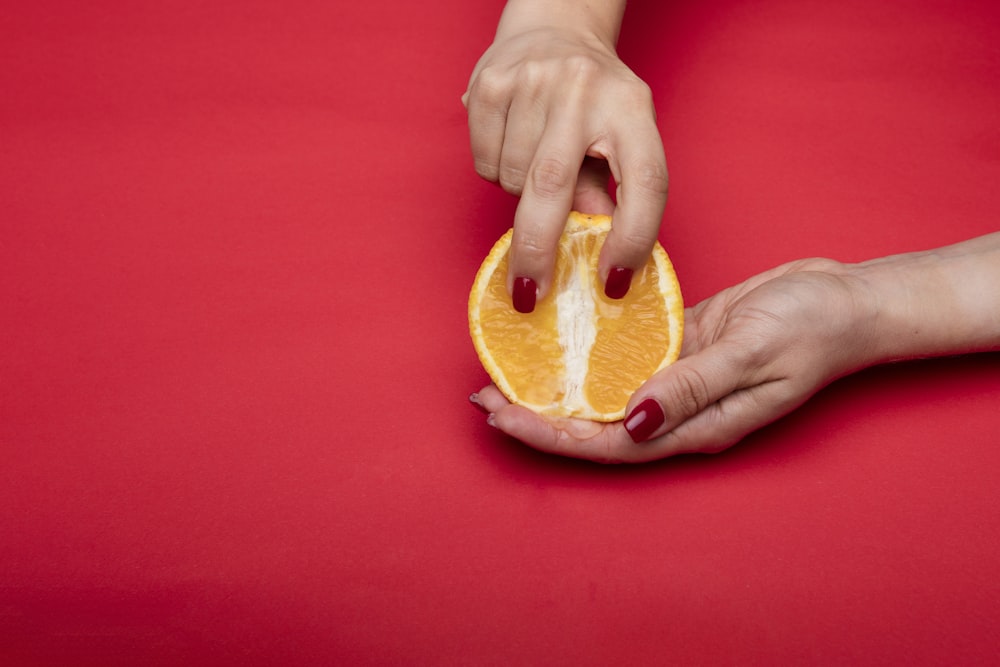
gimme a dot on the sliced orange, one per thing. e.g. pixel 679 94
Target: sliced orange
pixel 578 353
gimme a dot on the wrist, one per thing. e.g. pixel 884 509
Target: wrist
pixel 600 19
pixel 933 303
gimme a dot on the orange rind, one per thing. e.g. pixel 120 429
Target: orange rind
pixel 578 353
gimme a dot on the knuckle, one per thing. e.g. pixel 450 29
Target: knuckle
pixel 640 94
pixel 688 392
pixel 511 178
pixel 551 177
pixel 487 170
pixel 491 87
pixel 635 96
pixel 534 73
pixel 632 243
pixel 820 264
pixel 531 247
pixel 582 68
pixel 758 351
pixel 650 178
pixel 576 69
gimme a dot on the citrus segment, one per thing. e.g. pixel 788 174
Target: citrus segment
pixel 578 353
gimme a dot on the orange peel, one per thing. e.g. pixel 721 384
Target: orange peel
pixel 578 353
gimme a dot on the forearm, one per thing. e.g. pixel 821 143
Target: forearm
pixel 602 18
pixel 934 303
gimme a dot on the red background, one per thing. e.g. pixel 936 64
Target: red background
pixel 237 240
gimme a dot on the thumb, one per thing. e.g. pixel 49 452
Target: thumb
pixel 680 391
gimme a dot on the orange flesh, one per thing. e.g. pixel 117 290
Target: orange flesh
pixel 578 353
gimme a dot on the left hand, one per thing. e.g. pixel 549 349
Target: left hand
pixel 553 115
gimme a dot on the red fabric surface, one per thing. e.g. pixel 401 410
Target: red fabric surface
pixel 236 245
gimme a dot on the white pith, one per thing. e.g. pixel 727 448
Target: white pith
pixel 575 321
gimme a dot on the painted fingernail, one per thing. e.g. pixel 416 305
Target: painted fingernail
pixel 524 295
pixel 619 280
pixel 474 399
pixel 643 420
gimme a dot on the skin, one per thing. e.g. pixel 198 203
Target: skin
pixel 553 114
pixel 756 351
pixel 538 129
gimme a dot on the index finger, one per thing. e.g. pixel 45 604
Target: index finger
pixel 546 200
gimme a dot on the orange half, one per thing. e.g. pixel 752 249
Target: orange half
pixel 579 353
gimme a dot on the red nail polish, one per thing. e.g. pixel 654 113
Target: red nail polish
pixel 619 280
pixel 643 420
pixel 524 295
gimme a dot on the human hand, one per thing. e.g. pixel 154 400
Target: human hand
pixel 752 353
pixel 553 113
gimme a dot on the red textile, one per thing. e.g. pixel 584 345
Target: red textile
pixel 236 242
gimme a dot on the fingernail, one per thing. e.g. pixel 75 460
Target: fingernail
pixel 474 399
pixel 619 280
pixel 643 420
pixel 491 419
pixel 524 295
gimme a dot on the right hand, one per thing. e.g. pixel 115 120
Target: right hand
pixel 553 113
pixel 751 353
pixel 756 351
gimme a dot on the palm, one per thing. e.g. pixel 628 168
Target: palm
pixel 751 354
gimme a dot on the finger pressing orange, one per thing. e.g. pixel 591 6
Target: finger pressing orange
pixel 578 353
